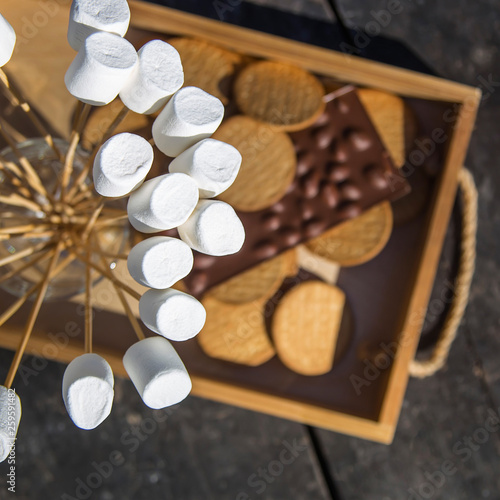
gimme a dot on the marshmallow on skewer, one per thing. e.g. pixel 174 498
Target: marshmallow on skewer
pixel 213 228
pixel 162 203
pixel 173 314
pixel 7 41
pixel 87 390
pixel 157 372
pixel 10 415
pixel 190 116
pixel 155 79
pixel 160 261
pixel 121 164
pixel 213 164
pixel 89 16
pixel 101 68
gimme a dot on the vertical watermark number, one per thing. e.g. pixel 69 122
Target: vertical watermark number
pixel 11 433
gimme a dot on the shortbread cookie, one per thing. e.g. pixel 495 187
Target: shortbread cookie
pixel 207 66
pixel 305 327
pixel 358 240
pixel 260 282
pixel 268 165
pixel 279 94
pixel 236 333
pixel 387 112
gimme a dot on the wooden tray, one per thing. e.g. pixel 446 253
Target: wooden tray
pixel 387 306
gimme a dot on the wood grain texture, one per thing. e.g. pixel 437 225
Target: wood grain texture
pixel 42 57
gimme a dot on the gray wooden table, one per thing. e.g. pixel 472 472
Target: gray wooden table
pixel 205 450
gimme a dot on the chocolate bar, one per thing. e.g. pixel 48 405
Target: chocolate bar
pixel 343 169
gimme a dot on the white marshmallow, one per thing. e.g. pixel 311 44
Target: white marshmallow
pixel 101 68
pixel 162 203
pixel 89 16
pixel 121 164
pixel 157 372
pixel 10 415
pixel 7 41
pixel 213 228
pixel 160 261
pixel 190 116
pixel 155 79
pixel 87 390
pixel 172 314
pixel 213 164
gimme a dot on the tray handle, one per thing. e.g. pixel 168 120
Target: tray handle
pixel 467 260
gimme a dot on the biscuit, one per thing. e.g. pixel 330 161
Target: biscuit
pixel 280 94
pixel 358 240
pixel 305 327
pixel 207 66
pixel 387 112
pixel 268 166
pixel 236 333
pixel 259 282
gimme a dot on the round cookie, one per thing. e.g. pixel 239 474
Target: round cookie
pixel 207 66
pixel 260 282
pixel 280 94
pixel 358 240
pixel 268 166
pixel 305 327
pixel 387 112
pixel 236 333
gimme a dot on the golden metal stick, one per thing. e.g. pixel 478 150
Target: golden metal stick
pixel 32 317
pixel 105 221
pixel 18 179
pixel 133 320
pixel 12 230
pixel 118 256
pixel 14 133
pixel 73 144
pixel 12 309
pixel 25 106
pixel 108 274
pixel 82 198
pixel 9 259
pixel 31 174
pixel 88 305
pixel 92 220
pixel 88 278
pixel 16 200
pixel 10 165
pixel 16 182
pixel 30 235
pixel 76 116
pixel 27 265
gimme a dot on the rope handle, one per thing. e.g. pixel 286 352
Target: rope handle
pixel 437 359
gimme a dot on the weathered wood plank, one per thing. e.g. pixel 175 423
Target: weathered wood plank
pixel 442 448
pixel 198 449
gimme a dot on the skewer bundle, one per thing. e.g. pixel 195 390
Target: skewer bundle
pixel 73 214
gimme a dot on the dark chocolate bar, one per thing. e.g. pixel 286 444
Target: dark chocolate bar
pixel 343 169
